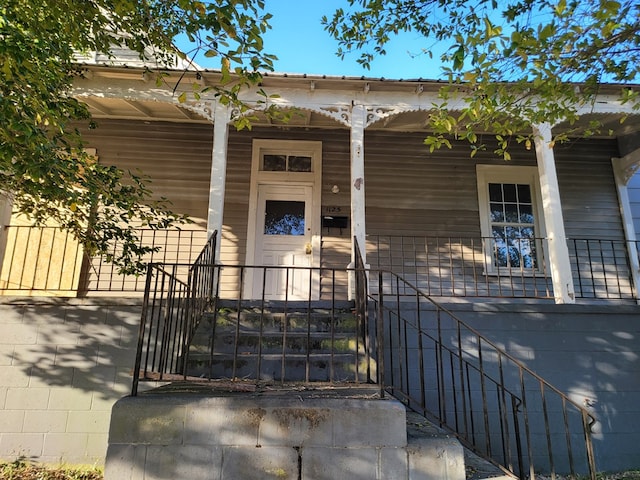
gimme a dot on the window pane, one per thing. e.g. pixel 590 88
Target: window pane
pixel 509 190
pixel 511 212
pixel 495 192
pixel 524 194
pixel 526 214
pixel 514 247
pixel 274 163
pixel 284 218
pixel 497 214
pixel 512 225
pixel 299 164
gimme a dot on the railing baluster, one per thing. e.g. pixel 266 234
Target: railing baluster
pixel 545 414
pixel 423 393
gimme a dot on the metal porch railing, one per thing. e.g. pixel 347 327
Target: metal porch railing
pixel 276 328
pixel 175 298
pixel 484 267
pixel 48 260
pixel 446 370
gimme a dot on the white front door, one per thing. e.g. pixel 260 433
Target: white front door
pixel 284 238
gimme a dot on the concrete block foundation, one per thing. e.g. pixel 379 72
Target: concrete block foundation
pixel 281 435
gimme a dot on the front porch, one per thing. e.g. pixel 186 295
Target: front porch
pixel 47 262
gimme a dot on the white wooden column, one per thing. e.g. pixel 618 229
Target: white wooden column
pixel 221 116
pixel 623 169
pixel 558 250
pixel 358 230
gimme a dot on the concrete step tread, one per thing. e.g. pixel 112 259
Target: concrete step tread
pixel 476 468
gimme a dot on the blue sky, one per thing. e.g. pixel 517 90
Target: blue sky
pixel 301 44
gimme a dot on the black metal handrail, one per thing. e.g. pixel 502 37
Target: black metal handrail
pixel 446 370
pixel 172 307
pixel 465 266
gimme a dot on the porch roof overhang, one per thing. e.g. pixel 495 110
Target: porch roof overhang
pixel 321 101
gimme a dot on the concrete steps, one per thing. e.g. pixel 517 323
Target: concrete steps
pixel 476 468
pixel 279 343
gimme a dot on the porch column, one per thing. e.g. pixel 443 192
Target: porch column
pixel 552 207
pixel 623 169
pixel 221 117
pixel 358 230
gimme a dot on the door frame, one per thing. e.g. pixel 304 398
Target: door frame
pixel 260 177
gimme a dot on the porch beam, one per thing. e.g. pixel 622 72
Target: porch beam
pixel 560 266
pixel 358 230
pixel 221 116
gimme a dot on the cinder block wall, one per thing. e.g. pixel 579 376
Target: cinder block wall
pixel 63 364
pixel 590 352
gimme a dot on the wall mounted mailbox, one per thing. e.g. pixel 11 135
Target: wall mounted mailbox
pixel 333 221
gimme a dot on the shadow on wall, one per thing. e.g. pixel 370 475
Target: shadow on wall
pixel 590 352
pixel 85 347
pixel 64 363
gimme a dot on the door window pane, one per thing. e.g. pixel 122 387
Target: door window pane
pixel 283 217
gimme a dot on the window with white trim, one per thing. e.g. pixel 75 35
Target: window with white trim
pixel 511 219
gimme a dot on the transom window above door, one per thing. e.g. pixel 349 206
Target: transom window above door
pixel 286 163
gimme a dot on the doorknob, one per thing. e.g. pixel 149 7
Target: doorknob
pixel 307 248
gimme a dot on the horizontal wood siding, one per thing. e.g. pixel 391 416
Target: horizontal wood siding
pixel 593 224
pixel 410 191
pixel 587 189
pixel 176 157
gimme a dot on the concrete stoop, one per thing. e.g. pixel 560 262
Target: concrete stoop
pixel 419 429
pixel 330 434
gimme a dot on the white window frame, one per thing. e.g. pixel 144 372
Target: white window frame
pixel 487 174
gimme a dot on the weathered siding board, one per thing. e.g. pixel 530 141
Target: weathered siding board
pixel 591 211
pixel 587 189
pixel 336 242
pixel 412 191
pixel 177 157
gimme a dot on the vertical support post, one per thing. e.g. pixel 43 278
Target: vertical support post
pixel 623 169
pixel 358 230
pixel 221 117
pixel 558 250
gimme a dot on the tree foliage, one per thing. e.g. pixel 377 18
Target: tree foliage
pixel 514 62
pixel 42 163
